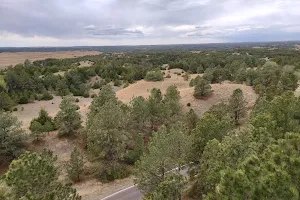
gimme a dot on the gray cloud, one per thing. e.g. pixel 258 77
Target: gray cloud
pixel 146 21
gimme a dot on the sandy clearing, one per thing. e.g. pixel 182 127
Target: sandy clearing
pixel 221 92
pixel 13 58
pixel 32 110
pixel 86 63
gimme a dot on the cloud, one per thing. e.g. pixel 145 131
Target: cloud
pixel 73 22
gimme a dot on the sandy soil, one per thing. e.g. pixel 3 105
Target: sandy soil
pixel 7 58
pixel 32 110
pixel 85 63
pixel 221 91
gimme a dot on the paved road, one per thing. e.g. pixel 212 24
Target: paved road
pixel 133 193
pixel 130 193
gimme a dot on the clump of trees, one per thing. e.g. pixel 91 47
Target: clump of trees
pixel 41 125
pixel 11 136
pixel 202 89
pixel 154 76
pixel 68 120
pixel 34 176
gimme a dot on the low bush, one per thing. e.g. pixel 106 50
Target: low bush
pixel 117 82
pixel 154 76
pixel 113 172
pixel 46 96
pixel 86 94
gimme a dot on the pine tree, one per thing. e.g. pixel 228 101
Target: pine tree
pixel 75 166
pixel 237 105
pixel 11 137
pixel 106 133
pixel 202 89
pixel 34 176
pixel 37 130
pixel 68 119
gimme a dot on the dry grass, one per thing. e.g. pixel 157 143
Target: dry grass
pixel 8 58
pixel 32 110
pixel 221 92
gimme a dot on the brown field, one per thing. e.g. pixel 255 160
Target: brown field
pixel 8 58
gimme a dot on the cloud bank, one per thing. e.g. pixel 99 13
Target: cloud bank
pixel 134 22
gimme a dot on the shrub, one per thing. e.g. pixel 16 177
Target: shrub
pixel 126 85
pixel 86 94
pixel 117 82
pixel 15 109
pixel 202 89
pixel 46 96
pixel 75 165
pixel 168 76
pixel 96 85
pixel 188 104
pixel 113 172
pixel 93 95
pixel 76 100
pixel 154 76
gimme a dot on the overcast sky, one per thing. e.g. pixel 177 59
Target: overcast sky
pixel 134 22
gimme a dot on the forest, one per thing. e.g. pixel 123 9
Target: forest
pixel 232 151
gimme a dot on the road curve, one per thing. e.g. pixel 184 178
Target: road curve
pixel 130 193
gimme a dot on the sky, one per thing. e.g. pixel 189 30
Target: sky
pixel 146 22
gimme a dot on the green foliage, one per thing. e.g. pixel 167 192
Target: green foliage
pixel 37 130
pixel 34 176
pixel 202 89
pixel 113 171
pixel 170 189
pixel 68 120
pixel 106 134
pixel 117 82
pixel 5 101
pixel 75 165
pixel 46 96
pixel 154 76
pixel 39 126
pixel 11 137
pixel 136 152
pixel 191 119
pixel 237 105
pixel 105 95
pixel 166 150
pixel 62 88
pixel 208 127
pixel 3 84
pixel 172 101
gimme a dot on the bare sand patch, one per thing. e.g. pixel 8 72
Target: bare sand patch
pixel 86 63
pixel 32 110
pixel 13 58
pixel 221 93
